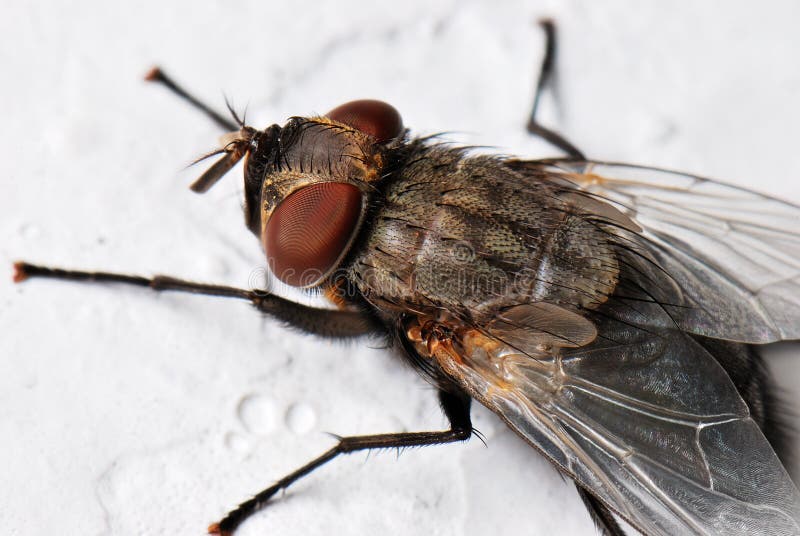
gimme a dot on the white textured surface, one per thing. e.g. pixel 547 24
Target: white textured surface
pixel 132 414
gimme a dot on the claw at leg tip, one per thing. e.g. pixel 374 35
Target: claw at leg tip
pixel 20 274
pixel 153 74
pixel 214 528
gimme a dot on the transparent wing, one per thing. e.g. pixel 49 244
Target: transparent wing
pixel 646 420
pixel 528 326
pixel 735 253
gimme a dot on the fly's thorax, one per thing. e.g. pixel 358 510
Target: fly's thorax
pixel 468 234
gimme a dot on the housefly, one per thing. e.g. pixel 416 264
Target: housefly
pixel 608 313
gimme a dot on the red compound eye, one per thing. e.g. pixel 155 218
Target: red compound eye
pixel 376 118
pixel 309 231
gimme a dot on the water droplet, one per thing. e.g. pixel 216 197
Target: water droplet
pixel 237 442
pixel 258 414
pixel 29 230
pixel 300 418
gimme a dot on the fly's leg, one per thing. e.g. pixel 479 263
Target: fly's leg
pixel 157 75
pixel 455 407
pixel 601 515
pixel 323 322
pixel 545 81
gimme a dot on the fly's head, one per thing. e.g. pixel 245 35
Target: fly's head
pixel 307 184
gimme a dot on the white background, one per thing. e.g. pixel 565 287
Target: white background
pixel 133 414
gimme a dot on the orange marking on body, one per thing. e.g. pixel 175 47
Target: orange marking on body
pixel 474 342
pixel 475 339
pixel 335 295
pixel 414 334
